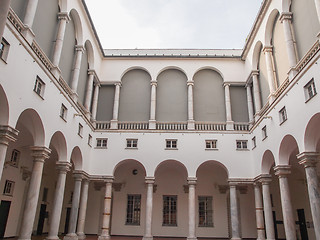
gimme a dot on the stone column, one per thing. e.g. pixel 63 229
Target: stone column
pixel 4 10
pixel 270 71
pixel 250 103
pixel 235 218
pixel 95 101
pixel 105 234
pixel 286 19
pixel 76 70
pixel 309 160
pixel 88 97
pixel 63 168
pixel 256 91
pixel 74 207
pixel 148 229
pixel 191 124
pixel 228 106
pixel 114 121
pixel 259 212
pixel 282 171
pixel 152 121
pixel 63 20
pixel 192 181
pixel 30 13
pixel 267 206
pixel 317 3
pixel 7 135
pixel 39 154
pixel 83 209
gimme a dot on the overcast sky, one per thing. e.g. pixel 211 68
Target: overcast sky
pixel 213 24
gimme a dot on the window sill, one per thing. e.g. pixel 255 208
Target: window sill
pixel 171 149
pixel 283 122
pixel 211 149
pixel 132 148
pixel 310 98
pixel 3 60
pixel 242 149
pixel 63 118
pixel 101 148
pixel 38 95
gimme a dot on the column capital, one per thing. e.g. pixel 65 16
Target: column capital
pixel 192 180
pixel 190 83
pixel 79 48
pixel 153 83
pixel 97 84
pixel 267 49
pixel 108 179
pixel 149 180
pixel 63 167
pixel 254 73
pixel 308 159
pixel 118 84
pixel 64 16
pixel 285 16
pixel 92 72
pixel 79 175
pixel 226 84
pixel 264 179
pixel 8 134
pixel 282 170
pixel 40 153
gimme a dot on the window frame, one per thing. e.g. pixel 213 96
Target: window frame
pixel 8 188
pixel 207 213
pixel 4 50
pixel 264 132
pixel 133 213
pixel 171 144
pixel 283 115
pixel 63 112
pixel 310 86
pixel 254 142
pixel 14 159
pixel 211 144
pixel 101 141
pixel 242 145
pixel 39 90
pixel 80 130
pixel 90 140
pixel 131 143
pixel 170 209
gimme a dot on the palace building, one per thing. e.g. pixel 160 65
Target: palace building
pixel 158 143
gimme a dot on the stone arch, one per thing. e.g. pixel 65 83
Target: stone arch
pixel 58 142
pixel 208 68
pixel 288 148
pixel 4 107
pixel 267 162
pixel 135 68
pixel 89 49
pixel 126 161
pixel 213 163
pixel 172 68
pixel 78 26
pixel 76 158
pixel 269 27
pixel 30 121
pixel 312 134
pixel 256 55
pixel 172 163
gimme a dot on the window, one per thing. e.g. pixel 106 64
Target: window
pixel 171 144
pixel 14 160
pixel 254 142
pixel 264 132
pixel 205 211
pixel 169 211
pixel 63 112
pixel 4 49
pixel 133 210
pixel 102 142
pixel 80 130
pixel 8 188
pixel 132 143
pixel 90 140
pixel 45 194
pixel 39 87
pixel 283 115
pixel 310 90
pixel 242 144
pixel 211 144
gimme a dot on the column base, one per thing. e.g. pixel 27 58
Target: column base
pixel 52 238
pixel 152 124
pixel 230 125
pixel 191 125
pixel 114 124
pixel 81 236
pixel 71 236
pixel 292 73
pixel 147 238
pixel 235 238
pixel 104 237
pixel 28 34
pixel 56 72
pixel 191 238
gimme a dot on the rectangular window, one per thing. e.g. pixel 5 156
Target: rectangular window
pixel 133 210
pixel 242 144
pixel 80 130
pixel 14 160
pixel 254 142
pixel 90 140
pixel 63 112
pixel 132 143
pixel 211 144
pixel 8 188
pixel 283 115
pixel 4 49
pixel 171 143
pixel 45 194
pixel 264 132
pixel 39 87
pixel 169 211
pixel 205 211
pixel 310 90
pixel 102 142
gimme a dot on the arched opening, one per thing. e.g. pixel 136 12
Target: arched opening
pixel 4 107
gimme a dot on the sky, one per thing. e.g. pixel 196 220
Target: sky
pixel 165 24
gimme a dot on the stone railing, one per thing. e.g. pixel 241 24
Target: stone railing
pixel 282 87
pixel 133 125
pixel 102 125
pixel 241 126
pixel 16 22
pixel 65 86
pixel 207 126
pixel 304 61
pixel 41 55
pixel 171 126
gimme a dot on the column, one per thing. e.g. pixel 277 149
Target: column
pixel 309 160
pixel 30 13
pixel 228 106
pixel 7 135
pixel 63 168
pixel 83 209
pixel 191 125
pixel 4 10
pixel 250 103
pixel 282 171
pixel 286 19
pixel 256 91
pixel 114 121
pixel 95 100
pixel 270 71
pixel 105 234
pixel 74 207
pixel 192 181
pixel 317 3
pixel 63 20
pixel 76 70
pixel 235 220
pixel 267 206
pixel 39 154
pixel 152 121
pixel 148 229
pixel 87 101
pixel 259 212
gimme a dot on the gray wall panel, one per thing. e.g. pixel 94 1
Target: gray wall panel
pixel 19 7
pixel 83 77
pixel 239 105
pixel 263 79
pixel 105 103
